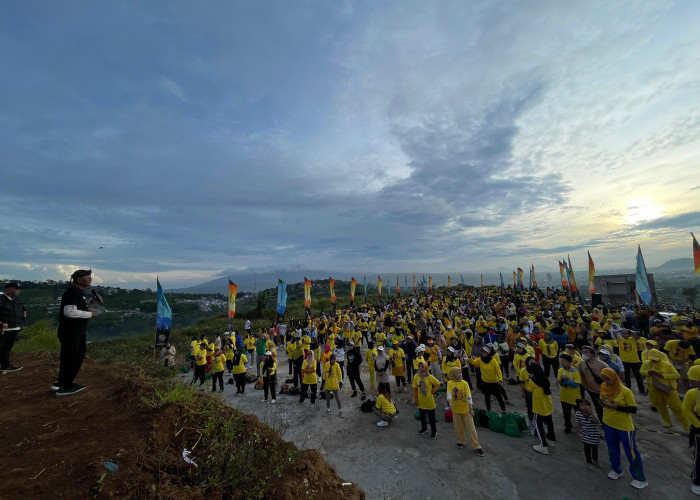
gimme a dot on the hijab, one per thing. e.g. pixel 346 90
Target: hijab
pixel 609 391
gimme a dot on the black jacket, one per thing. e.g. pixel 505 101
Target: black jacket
pixel 12 312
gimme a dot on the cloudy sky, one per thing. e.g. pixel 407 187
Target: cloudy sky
pixel 190 140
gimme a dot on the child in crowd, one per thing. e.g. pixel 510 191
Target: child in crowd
pixel 587 424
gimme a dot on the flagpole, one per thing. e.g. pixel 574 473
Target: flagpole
pixel 228 293
pixel 278 293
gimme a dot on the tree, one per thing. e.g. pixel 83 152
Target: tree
pixel 690 293
pixel 261 304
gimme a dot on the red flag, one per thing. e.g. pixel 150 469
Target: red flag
pixel 696 255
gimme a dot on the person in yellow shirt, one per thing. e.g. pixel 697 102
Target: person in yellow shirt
pixel 268 368
pixel 618 406
pixel 398 366
pixel 542 407
pixel 459 398
pixel 491 377
pixel 433 353
pixel 662 380
pixel 218 362
pixel 691 410
pixel 331 384
pixel 290 347
pixel 629 355
pixel 384 408
pixel 239 363
pixel 550 354
pixel 370 354
pixel 309 380
pixel 424 386
pixel 228 353
pixel 569 379
pixel 380 337
pixel 200 359
pixel 681 354
pixel 249 343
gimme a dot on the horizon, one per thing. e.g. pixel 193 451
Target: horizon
pixel 160 139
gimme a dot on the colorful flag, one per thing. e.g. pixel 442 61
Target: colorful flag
pixel 398 290
pixel 530 280
pixel 503 285
pixel 353 284
pixel 514 279
pixel 423 283
pixel 281 297
pixel 232 292
pixel 379 285
pixel 564 282
pixel 641 280
pixel 405 282
pixel 331 282
pixel 591 274
pixel 462 278
pixel 482 281
pixel 568 274
pixel 449 281
pixel 365 289
pixel 520 277
pixel 414 283
pixel 534 278
pixel 572 280
pixel 164 317
pixel 307 293
pixel 430 282
pixel 696 255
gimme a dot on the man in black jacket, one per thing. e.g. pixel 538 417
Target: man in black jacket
pixel 72 331
pixel 13 315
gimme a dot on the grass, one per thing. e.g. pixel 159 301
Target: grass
pixel 41 336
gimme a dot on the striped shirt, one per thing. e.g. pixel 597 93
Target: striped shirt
pixel 588 430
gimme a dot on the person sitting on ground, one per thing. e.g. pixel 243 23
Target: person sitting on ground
pixel 384 408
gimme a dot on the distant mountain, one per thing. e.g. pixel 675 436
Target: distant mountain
pixel 676 265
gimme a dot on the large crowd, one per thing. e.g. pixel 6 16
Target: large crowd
pixel 463 341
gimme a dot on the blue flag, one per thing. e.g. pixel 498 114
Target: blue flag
pixel 568 274
pixel 530 278
pixel 388 287
pixel 503 285
pixel 281 297
pixel 423 283
pixel 164 318
pixel 462 278
pixel 641 279
pixel 405 283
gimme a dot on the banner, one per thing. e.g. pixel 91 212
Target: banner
pixel 534 278
pixel 449 281
pixel 164 318
pixel 641 279
pixel 281 297
pixel 331 282
pixel 462 278
pixel 307 293
pixel 232 292
pixel 353 284
pixel 379 286
pixel 414 283
pixel 520 277
pixel 591 274
pixel 503 285
pixel 430 283
pixel 564 282
pixel 398 291
pixel 514 280
pixel 568 275
pixel 572 280
pixel 696 255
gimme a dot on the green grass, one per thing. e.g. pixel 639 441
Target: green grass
pixel 41 336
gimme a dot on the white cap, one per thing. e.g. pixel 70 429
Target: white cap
pixel 451 349
pixel 380 347
pixel 603 351
pixel 268 353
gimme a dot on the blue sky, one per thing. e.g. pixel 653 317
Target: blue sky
pixel 190 140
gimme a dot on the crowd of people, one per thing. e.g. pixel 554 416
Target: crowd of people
pixel 480 339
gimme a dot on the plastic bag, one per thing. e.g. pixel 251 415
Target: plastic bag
pixel 496 422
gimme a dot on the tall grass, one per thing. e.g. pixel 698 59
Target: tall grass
pixel 41 336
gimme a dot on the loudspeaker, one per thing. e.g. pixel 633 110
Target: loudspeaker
pixel 596 299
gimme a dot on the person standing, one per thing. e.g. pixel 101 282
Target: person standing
pixel 268 367
pixel 354 362
pixel 13 315
pixel 72 332
pixel 691 409
pixel 424 386
pixel 459 397
pixel 218 363
pixel 569 380
pixel 590 369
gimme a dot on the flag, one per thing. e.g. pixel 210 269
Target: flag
pixel 641 280
pixel 564 282
pixel 414 283
pixel 232 292
pixel 379 285
pixel 353 284
pixel 388 287
pixel 307 293
pixel 530 279
pixel 520 277
pixel 331 282
pixel 572 280
pixel 591 274
pixel 281 297
pixel 462 278
pixel 423 283
pixel 430 283
pixel 696 255
pixel 534 278
pixel 405 282
pixel 449 281
pixel 365 289
pixel 398 291
pixel 514 280
pixel 503 285
pixel 164 317
pixel 482 281
pixel 568 274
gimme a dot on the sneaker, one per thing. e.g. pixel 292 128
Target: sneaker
pixel 639 484
pixel 354 394
pixel 460 445
pixel 55 386
pixel 312 405
pixel 328 411
pixel 479 452
pixel 447 407
pixel 541 449
pixel 695 489
pixel 273 401
pixel 67 392
pixel 11 368
pixel 614 475
pixel 263 400
pixel 433 436
pixel 422 431
pixel 340 413
pixel 364 396
pixel 382 423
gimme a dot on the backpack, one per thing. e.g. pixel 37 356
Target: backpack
pixel 367 405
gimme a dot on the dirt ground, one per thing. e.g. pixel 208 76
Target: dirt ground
pixel 395 463
pixel 57 447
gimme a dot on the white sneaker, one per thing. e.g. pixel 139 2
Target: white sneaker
pixel 639 484
pixel 340 413
pixel 541 449
pixel 328 411
pixel 273 401
pixel 447 408
pixel 382 423
pixel 263 400
pixel 695 489
pixel 614 475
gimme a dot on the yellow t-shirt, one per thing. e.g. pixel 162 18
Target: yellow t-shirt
pixel 519 361
pixel 524 378
pixel 200 356
pixel 228 352
pixel 569 394
pixel 249 343
pixel 217 363
pixel 432 352
pixel 460 395
pixel 331 374
pixel 541 403
pixel 426 386
pixel 691 402
pixel 491 371
pixel 628 350
pixel 619 419
pixel 385 405
pixel 381 338
pixel 676 353
pixel 308 371
pixel 448 365
pixel 240 367
pixel 397 356
pixel 549 350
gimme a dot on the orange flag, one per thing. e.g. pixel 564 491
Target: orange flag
pixel 307 293
pixel 379 285
pixel 591 274
pixel 331 281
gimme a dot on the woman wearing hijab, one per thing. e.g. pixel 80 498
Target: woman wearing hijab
pixel 542 406
pixel 239 363
pixel 309 380
pixel 491 377
pixel 424 386
pixel 662 380
pixel 691 409
pixel 618 406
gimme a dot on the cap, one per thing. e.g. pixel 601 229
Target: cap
pixel 569 346
pixel 521 345
pixel 380 347
pixel 268 353
pixel 451 349
pixel 603 351
pixel 14 284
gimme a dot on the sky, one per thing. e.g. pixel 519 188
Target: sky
pixel 193 140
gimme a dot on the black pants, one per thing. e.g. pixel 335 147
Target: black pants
pixel 595 399
pixel 567 408
pixel 400 381
pixel 73 348
pixel 505 365
pixel 528 404
pixel 7 341
pixel 694 437
pixel 493 388
pixel 465 376
pixel 591 452
pixel 550 363
pixel 199 374
pixel 633 368
pixel 540 422
pixel 409 369
pixel 239 378
pixel 290 363
pixel 217 376
pixel 269 386
pixel 428 415
pixel 354 376
pixel 479 383
pixel 304 390
pixel 341 364
pixel 363 340
pixel 297 364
